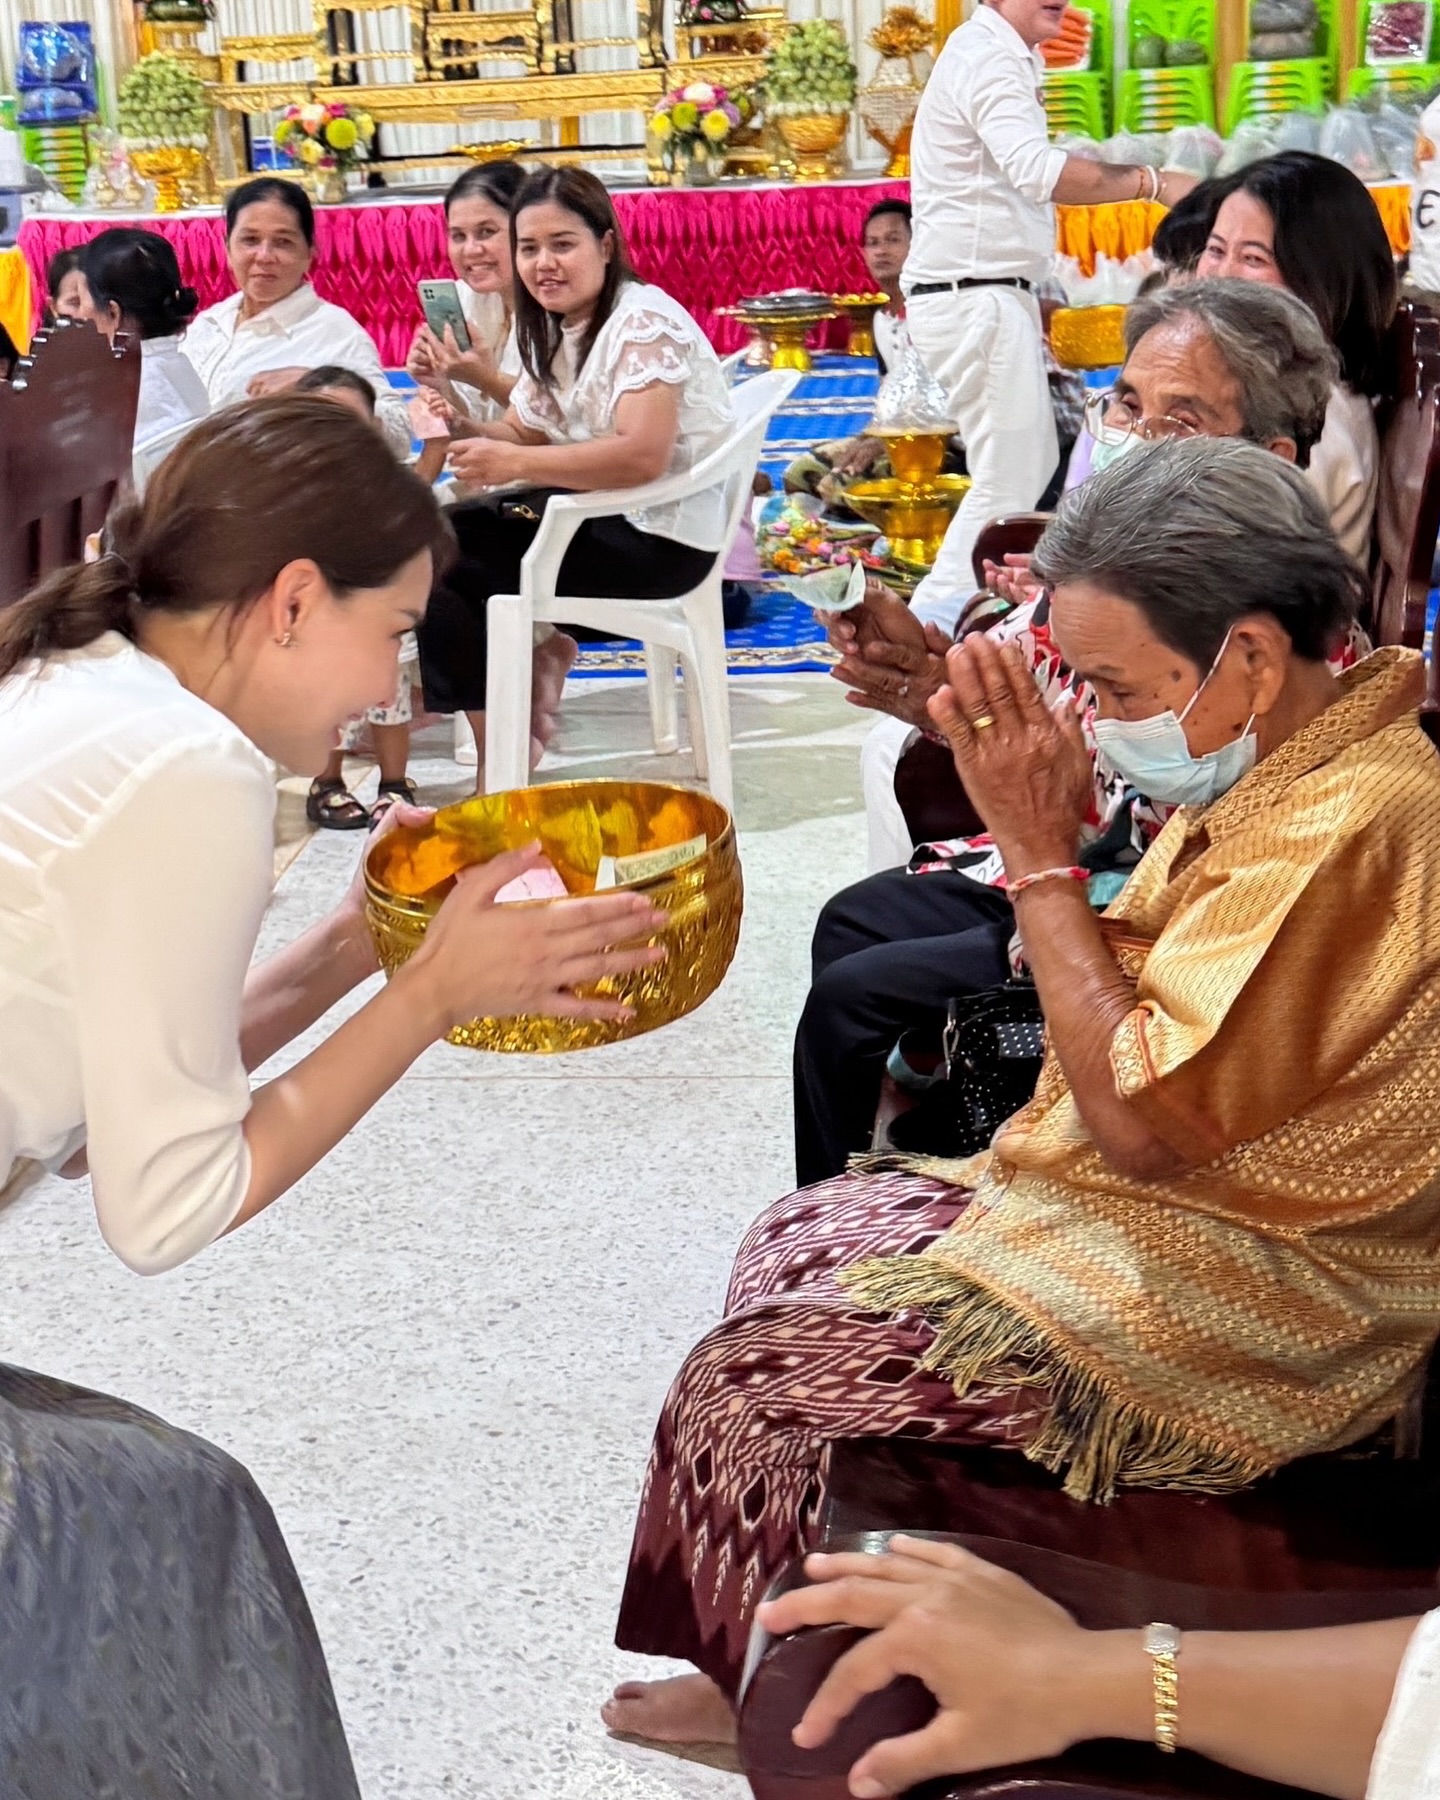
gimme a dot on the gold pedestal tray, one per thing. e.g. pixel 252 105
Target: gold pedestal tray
pixel 913 515
pixel 784 323
pixel 172 167
pixel 813 139
pixel 410 871
pixel 1088 337
pixel 860 310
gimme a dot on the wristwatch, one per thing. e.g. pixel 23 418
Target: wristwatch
pixel 1161 1644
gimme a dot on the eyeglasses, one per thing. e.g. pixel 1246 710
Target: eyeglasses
pixel 1110 418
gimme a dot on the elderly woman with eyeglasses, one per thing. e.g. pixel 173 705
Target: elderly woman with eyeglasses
pixel 1204 1249
pixel 1212 359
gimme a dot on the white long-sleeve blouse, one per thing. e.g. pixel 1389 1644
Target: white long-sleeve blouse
pixel 136 861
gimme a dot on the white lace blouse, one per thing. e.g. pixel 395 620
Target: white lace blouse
pixel 648 338
pixel 485 314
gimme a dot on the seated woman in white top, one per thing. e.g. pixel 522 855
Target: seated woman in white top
pixel 1347 1710
pixel 477 381
pixel 1303 222
pixel 247 606
pixel 620 388
pixel 132 285
pixel 263 338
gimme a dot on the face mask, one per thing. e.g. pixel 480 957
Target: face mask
pixel 1154 757
pixel 1103 455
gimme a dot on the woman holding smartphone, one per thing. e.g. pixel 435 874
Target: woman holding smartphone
pixel 620 387
pixel 476 379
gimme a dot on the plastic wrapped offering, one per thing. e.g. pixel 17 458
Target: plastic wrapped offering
pixel 911 399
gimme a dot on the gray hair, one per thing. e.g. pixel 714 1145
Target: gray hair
pixel 1270 342
pixel 1200 533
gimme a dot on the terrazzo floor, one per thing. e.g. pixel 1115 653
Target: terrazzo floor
pixel 443 1354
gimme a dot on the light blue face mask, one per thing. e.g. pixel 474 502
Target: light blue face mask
pixel 1103 455
pixel 1154 755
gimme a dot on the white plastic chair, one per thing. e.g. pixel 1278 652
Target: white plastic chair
pixel 689 629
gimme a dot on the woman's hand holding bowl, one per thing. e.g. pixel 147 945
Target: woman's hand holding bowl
pixel 480 959
pixel 1026 769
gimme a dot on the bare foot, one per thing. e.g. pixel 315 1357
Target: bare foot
pixel 553 661
pixel 686 1709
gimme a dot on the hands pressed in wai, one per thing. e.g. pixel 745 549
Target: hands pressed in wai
pixel 1025 767
pixel 890 661
pixel 1015 1677
pixel 481 959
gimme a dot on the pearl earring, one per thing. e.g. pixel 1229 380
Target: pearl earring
pixel 286 641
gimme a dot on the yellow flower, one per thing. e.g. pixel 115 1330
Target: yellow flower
pixel 685 116
pixel 341 134
pixel 715 126
pixel 309 151
pixel 661 128
pixel 366 125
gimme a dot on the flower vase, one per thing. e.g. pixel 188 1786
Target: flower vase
pixel 329 186
pixel 703 167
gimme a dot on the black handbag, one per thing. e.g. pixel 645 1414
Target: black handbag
pixel 988 1062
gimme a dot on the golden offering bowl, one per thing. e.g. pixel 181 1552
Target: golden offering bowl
pixel 813 139
pixel 1088 337
pixel 503 150
pixel 913 515
pixel 860 310
pixel 410 870
pixel 168 166
pixel 915 456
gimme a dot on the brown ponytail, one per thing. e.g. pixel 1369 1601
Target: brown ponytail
pixel 249 490
pixel 69 609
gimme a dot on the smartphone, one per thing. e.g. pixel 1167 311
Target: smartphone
pixel 441 303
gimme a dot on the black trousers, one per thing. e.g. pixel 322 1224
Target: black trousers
pixel 606 556
pixel 888 953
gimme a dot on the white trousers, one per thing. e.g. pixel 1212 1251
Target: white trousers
pixel 888 837
pixel 983 345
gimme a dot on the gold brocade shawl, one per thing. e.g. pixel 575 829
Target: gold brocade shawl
pixel 1279 1295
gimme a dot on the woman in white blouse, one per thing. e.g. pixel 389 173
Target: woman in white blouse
pixel 619 388
pixel 132 285
pixel 1305 223
pixel 263 338
pixel 477 382
pixel 1345 1710
pixel 152 1622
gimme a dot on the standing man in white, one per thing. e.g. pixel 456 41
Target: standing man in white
pixel 984 178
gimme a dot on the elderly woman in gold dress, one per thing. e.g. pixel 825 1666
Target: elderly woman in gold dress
pixel 1206 1247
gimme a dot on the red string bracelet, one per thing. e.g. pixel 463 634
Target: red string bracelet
pixel 1072 873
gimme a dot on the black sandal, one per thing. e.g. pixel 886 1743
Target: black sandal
pixel 332 807
pixel 403 790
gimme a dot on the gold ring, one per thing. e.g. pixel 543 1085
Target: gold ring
pixel 982 722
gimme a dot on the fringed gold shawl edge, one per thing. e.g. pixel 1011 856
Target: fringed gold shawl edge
pixel 1098 1440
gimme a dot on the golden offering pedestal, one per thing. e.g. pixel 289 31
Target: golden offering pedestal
pixel 409 872
pixel 173 168
pixel 860 310
pixel 914 515
pixel 813 139
pixel 783 325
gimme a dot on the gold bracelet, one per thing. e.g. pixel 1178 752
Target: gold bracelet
pixel 1162 1645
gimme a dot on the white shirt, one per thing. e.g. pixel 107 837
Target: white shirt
pixel 1406 1765
pixel 485 314
pixel 891 339
pixel 1345 468
pixel 648 338
pixel 171 392
pixel 136 861
pixel 302 331
pixel 982 167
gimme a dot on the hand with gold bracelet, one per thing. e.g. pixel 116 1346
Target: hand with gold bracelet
pixel 1016 1678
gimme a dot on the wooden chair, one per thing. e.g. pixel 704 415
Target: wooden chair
pixel 1329 1540
pixel 67 421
